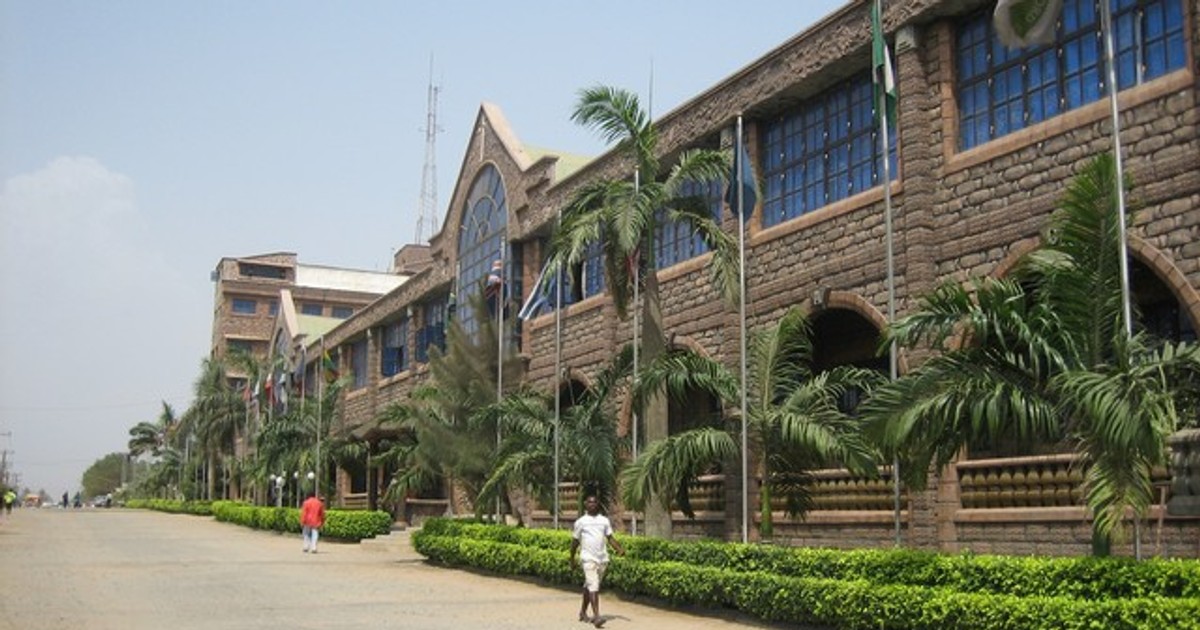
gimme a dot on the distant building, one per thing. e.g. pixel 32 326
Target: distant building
pixel 250 291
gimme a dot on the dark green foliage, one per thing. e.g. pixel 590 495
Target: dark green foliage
pixel 199 508
pixel 339 524
pixel 851 589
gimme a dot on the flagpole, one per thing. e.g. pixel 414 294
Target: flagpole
pixel 738 154
pixel 557 377
pixel 885 146
pixel 637 335
pixel 1122 245
pixel 320 372
pixel 500 356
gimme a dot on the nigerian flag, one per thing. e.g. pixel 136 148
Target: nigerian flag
pixel 881 64
pixel 1022 23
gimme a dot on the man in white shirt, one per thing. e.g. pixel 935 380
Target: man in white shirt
pixel 592 530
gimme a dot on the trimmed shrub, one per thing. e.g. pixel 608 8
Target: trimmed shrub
pixel 850 589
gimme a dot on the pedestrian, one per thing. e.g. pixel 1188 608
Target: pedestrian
pixel 66 500
pixel 10 497
pixel 312 518
pixel 592 530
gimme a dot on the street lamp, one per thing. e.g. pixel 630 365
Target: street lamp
pixel 311 481
pixel 296 485
pixel 278 482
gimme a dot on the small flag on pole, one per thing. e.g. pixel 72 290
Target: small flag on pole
pixel 881 64
pixel 329 367
pixel 491 289
pixel 742 175
pixel 1023 23
pixel 544 295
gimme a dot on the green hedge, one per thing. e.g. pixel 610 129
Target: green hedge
pixel 339 524
pixel 842 603
pixel 1076 578
pixel 199 508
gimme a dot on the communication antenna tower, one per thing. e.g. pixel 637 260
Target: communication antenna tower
pixel 427 223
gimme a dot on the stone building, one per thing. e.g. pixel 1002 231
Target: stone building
pixel 249 292
pixel 987 138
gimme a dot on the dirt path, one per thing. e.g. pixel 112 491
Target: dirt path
pixel 133 570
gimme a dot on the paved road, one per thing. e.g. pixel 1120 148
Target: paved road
pixel 134 570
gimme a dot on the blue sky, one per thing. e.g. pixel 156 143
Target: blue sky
pixel 142 141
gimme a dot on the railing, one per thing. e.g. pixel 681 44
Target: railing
pixel 357 501
pixel 1033 481
pixel 706 494
pixel 837 489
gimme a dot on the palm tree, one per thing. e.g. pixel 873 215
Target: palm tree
pixel 153 437
pixel 797 421
pixel 619 216
pixel 1044 357
pixel 445 435
pixel 216 416
pixel 590 451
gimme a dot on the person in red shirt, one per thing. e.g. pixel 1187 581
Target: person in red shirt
pixel 312 518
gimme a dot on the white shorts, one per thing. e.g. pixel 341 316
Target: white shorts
pixel 593 572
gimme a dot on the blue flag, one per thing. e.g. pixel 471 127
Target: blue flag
pixel 743 175
pixel 544 295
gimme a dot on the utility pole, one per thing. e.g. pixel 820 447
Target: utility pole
pixel 427 223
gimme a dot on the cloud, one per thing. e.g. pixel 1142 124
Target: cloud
pixel 71 220
pixel 96 319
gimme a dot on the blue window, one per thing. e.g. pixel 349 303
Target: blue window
pixel 592 272
pixel 394 359
pixel 309 308
pixel 482 235
pixel 433 332
pixel 243 306
pixel 676 241
pixel 342 312
pixel 273 307
pixel 824 150
pixel 1001 91
pixel 358 363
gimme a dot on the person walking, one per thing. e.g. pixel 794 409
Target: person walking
pixel 312 518
pixel 592 530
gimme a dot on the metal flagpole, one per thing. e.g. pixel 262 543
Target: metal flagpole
pixel 893 368
pixel 637 335
pixel 1122 246
pixel 500 355
pixel 738 155
pixel 558 302
pixel 320 372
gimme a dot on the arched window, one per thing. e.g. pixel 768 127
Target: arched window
pixel 482 235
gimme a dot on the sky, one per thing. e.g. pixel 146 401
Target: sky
pixel 142 141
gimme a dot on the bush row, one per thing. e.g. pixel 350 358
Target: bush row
pixel 339 524
pixel 1076 578
pixel 200 508
pixel 853 604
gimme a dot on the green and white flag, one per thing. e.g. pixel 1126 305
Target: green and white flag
pixel 882 74
pixel 1023 23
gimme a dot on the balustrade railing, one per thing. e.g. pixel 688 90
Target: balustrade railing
pixel 1033 481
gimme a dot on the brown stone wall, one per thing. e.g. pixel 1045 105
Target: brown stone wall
pixel 957 214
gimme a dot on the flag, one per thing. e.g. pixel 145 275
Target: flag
pixel 298 370
pixel 329 367
pixel 742 175
pixel 544 294
pixel 881 65
pixel 491 289
pixel 1022 23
